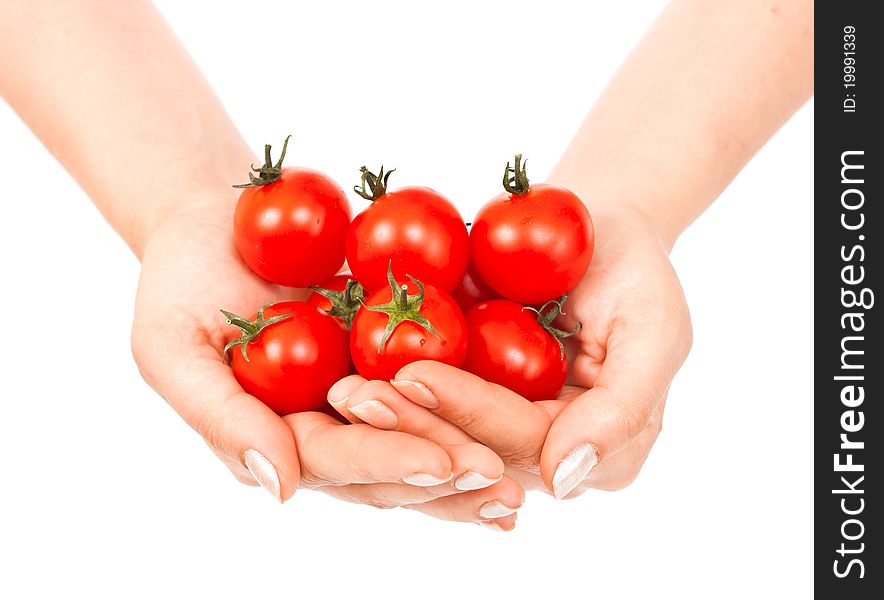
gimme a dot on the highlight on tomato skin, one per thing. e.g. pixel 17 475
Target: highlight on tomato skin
pixel 288 356
pixel 290 223
pixel 404 323
pixel 532 242
pixel 417 228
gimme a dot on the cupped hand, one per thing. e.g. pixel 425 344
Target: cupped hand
pixel 190 269
pixel 635 333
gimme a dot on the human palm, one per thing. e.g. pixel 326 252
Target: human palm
pixel 190 270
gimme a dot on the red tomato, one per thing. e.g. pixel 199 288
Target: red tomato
pixel 471 290
pixel 516 347
pixel 388 334
pixel 531 244
pixel 292 360
pixel 415 227
pixel 333 297
pixel 290 224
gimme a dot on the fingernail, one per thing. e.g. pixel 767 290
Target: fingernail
pixel 574 468
pixel 425 480
pixel 340 402
pixel 474 481
pixel 416 392
pixel 263 472
pixel 495 509
pixel 375 412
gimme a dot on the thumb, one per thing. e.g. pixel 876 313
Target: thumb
pixel 633 381
pixel 238 427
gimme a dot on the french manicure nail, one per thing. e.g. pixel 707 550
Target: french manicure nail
pixel 495 509
pixel 474 481
pixel 341 402
pixel 263 472
pixel 416 392
pixel 375 412
pixel 425 480
pixel 574 468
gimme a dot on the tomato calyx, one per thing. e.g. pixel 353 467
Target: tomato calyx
pixel 402 307
pixel 517 183
pixel 376 184
pixel 268 172
pixel 346 303
pixel 548 313
pixel 250 329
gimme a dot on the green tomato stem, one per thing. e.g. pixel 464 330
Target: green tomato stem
pixel 268 172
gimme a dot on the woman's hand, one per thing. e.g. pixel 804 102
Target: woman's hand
pixel 190 270
pixel 635 335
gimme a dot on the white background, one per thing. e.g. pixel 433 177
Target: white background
pixel 107 492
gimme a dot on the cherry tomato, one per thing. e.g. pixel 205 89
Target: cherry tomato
pixel 401 324
pixel 339 296
pixel 517 347
pixel 415 227
pixel 471 290
pixel 290 224
pixel 288 356
pixel 531 244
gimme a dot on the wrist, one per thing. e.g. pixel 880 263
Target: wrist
pixel 614 202
pixel 153 215
pixel 643 190
pixel 205 185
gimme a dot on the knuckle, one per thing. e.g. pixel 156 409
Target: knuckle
pixel 656 426
pixel 655 420
pixel 470 421
pixel 524 456
pixel 683 331
pixel 310 481
pixel 138 344
pixel 630 418
pixel 524 452
pixel 688 337
pixel 209 427
pixel 376 499
pixel 362 455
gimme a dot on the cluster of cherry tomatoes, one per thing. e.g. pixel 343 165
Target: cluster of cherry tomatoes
pixel 421 286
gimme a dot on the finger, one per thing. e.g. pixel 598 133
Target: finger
pixel 381 405
pixel 495 502
pixel 495 416
pixel 233 423
pixel 393 495
pixel 621 469
pixel 474 466
pixel 642 358
pixel 498 501
pixel 340 392
pixel 336 454
pixel 503 524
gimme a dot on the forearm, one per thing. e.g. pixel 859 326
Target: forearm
pixel 705 88
pixel 110 91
